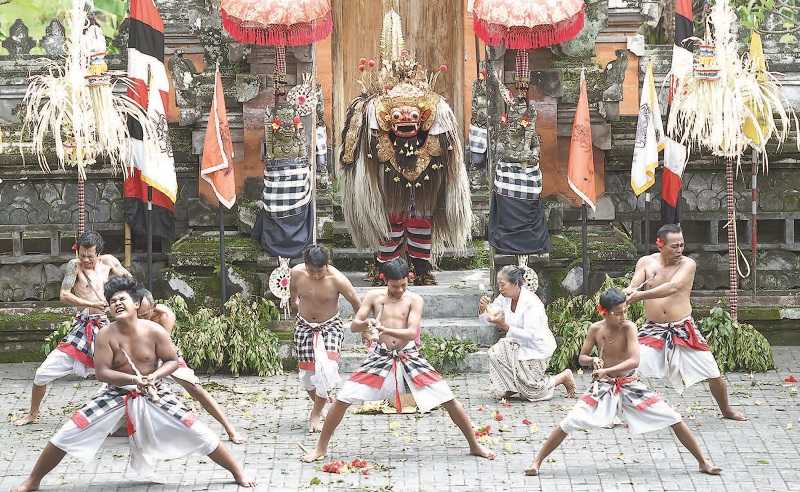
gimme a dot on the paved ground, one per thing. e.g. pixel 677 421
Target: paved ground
pixel 427 452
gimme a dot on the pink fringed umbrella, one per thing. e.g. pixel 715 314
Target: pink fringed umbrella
pixel 527 24
pixel 277 22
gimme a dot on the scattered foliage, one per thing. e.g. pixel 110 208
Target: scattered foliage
pixel 239 341
pixel 446 354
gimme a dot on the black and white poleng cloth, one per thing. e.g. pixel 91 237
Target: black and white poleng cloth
pixel 287 187
pixel 514 181
pixel 478 139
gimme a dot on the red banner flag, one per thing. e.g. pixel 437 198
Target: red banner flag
pixel 216 166
pixel 580 167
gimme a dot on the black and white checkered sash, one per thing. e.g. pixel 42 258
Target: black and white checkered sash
pixel 116 397
pixel 382 362
pixel 478 139
pixel 515 181
pixel 305 336
pixel 629 387
pixel 79 342
pixel 676 333
pixel 287 187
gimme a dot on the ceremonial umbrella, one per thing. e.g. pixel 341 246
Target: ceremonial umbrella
pixel 527 24
pixel 278 23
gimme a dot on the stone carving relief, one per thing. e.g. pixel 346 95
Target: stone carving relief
pixel 184 76
pixel 53 40
pixel 18 42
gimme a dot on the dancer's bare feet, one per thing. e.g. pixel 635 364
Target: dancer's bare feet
pixel 27 485
pixel 29 418
pixel 482 452
pixel 709 468
pixel 314 422
pixel 569 383
pixel 315 455
pixel 734 415
pixel 243 480
pixel 235 437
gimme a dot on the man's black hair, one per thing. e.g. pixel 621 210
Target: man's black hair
pixel 89 239
pixel 119 284
pixel 317 256
pixel 668 229
pixel 395 269
pixel 612 298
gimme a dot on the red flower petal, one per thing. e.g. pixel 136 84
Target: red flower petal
pixel 498 416
pixel 790 379
pixel 526 422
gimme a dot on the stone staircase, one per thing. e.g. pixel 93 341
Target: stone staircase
pixel 450 312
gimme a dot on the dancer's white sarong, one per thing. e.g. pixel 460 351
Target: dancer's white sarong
pixel 676 352
pixel 387 374
pixel 158 429
pixel 625 398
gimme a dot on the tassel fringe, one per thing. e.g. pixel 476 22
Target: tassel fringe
pixel 277 34
pixel 521 38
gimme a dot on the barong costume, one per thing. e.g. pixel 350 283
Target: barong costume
pixel 388 374
pixel 676 351
pixel 318 347
pixel 160 427
pixel 625 398
pixel 517 223
pixel 518 361
pixel 284 224
pixel 404 182
pixel 75 353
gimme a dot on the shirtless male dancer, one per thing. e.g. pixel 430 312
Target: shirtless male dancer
pixel 315 287
pixel 184 375
pixel 82 287
pixel 671 344
pixel 395 366
pixel 127 358
pixel 616 391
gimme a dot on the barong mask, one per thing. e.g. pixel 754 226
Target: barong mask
pixel 402 152
pixel 283 133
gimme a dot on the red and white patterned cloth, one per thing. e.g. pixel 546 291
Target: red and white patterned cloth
pixel 529 24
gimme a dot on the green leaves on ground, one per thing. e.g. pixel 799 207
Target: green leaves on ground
pixel 239 341
pixel 446 354
pixel 736 346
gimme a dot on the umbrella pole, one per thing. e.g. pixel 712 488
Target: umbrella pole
pixel 149 213
pixel 646 238
pixel 754 223
pixel 223 296
pixel 733 277
pixel 312 150
pixel 585 247
pixel 81 203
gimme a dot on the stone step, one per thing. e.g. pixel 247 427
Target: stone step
pixel 440 301
pixel 347 258
pixel 473 329
pixel 477 362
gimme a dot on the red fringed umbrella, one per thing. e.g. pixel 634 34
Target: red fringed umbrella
pixel 527 24
pixel 277 22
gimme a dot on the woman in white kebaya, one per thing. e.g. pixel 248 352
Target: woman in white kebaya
pixel 517 363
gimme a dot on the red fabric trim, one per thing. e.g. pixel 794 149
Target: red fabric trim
pixel 516 37
pixel 694 341
pixel 309 365
pixel 426 379
pixel 131 428
pixel 670 187
pixel 76 354
pixel 588 399
pixel 138 92
pixel 189 420
pixel 278 34
pixel 134 187
pixel 147 12
pixel 371 380
pixel 80 420
pixel 648 402
pixel 419 222
pixel 656 343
